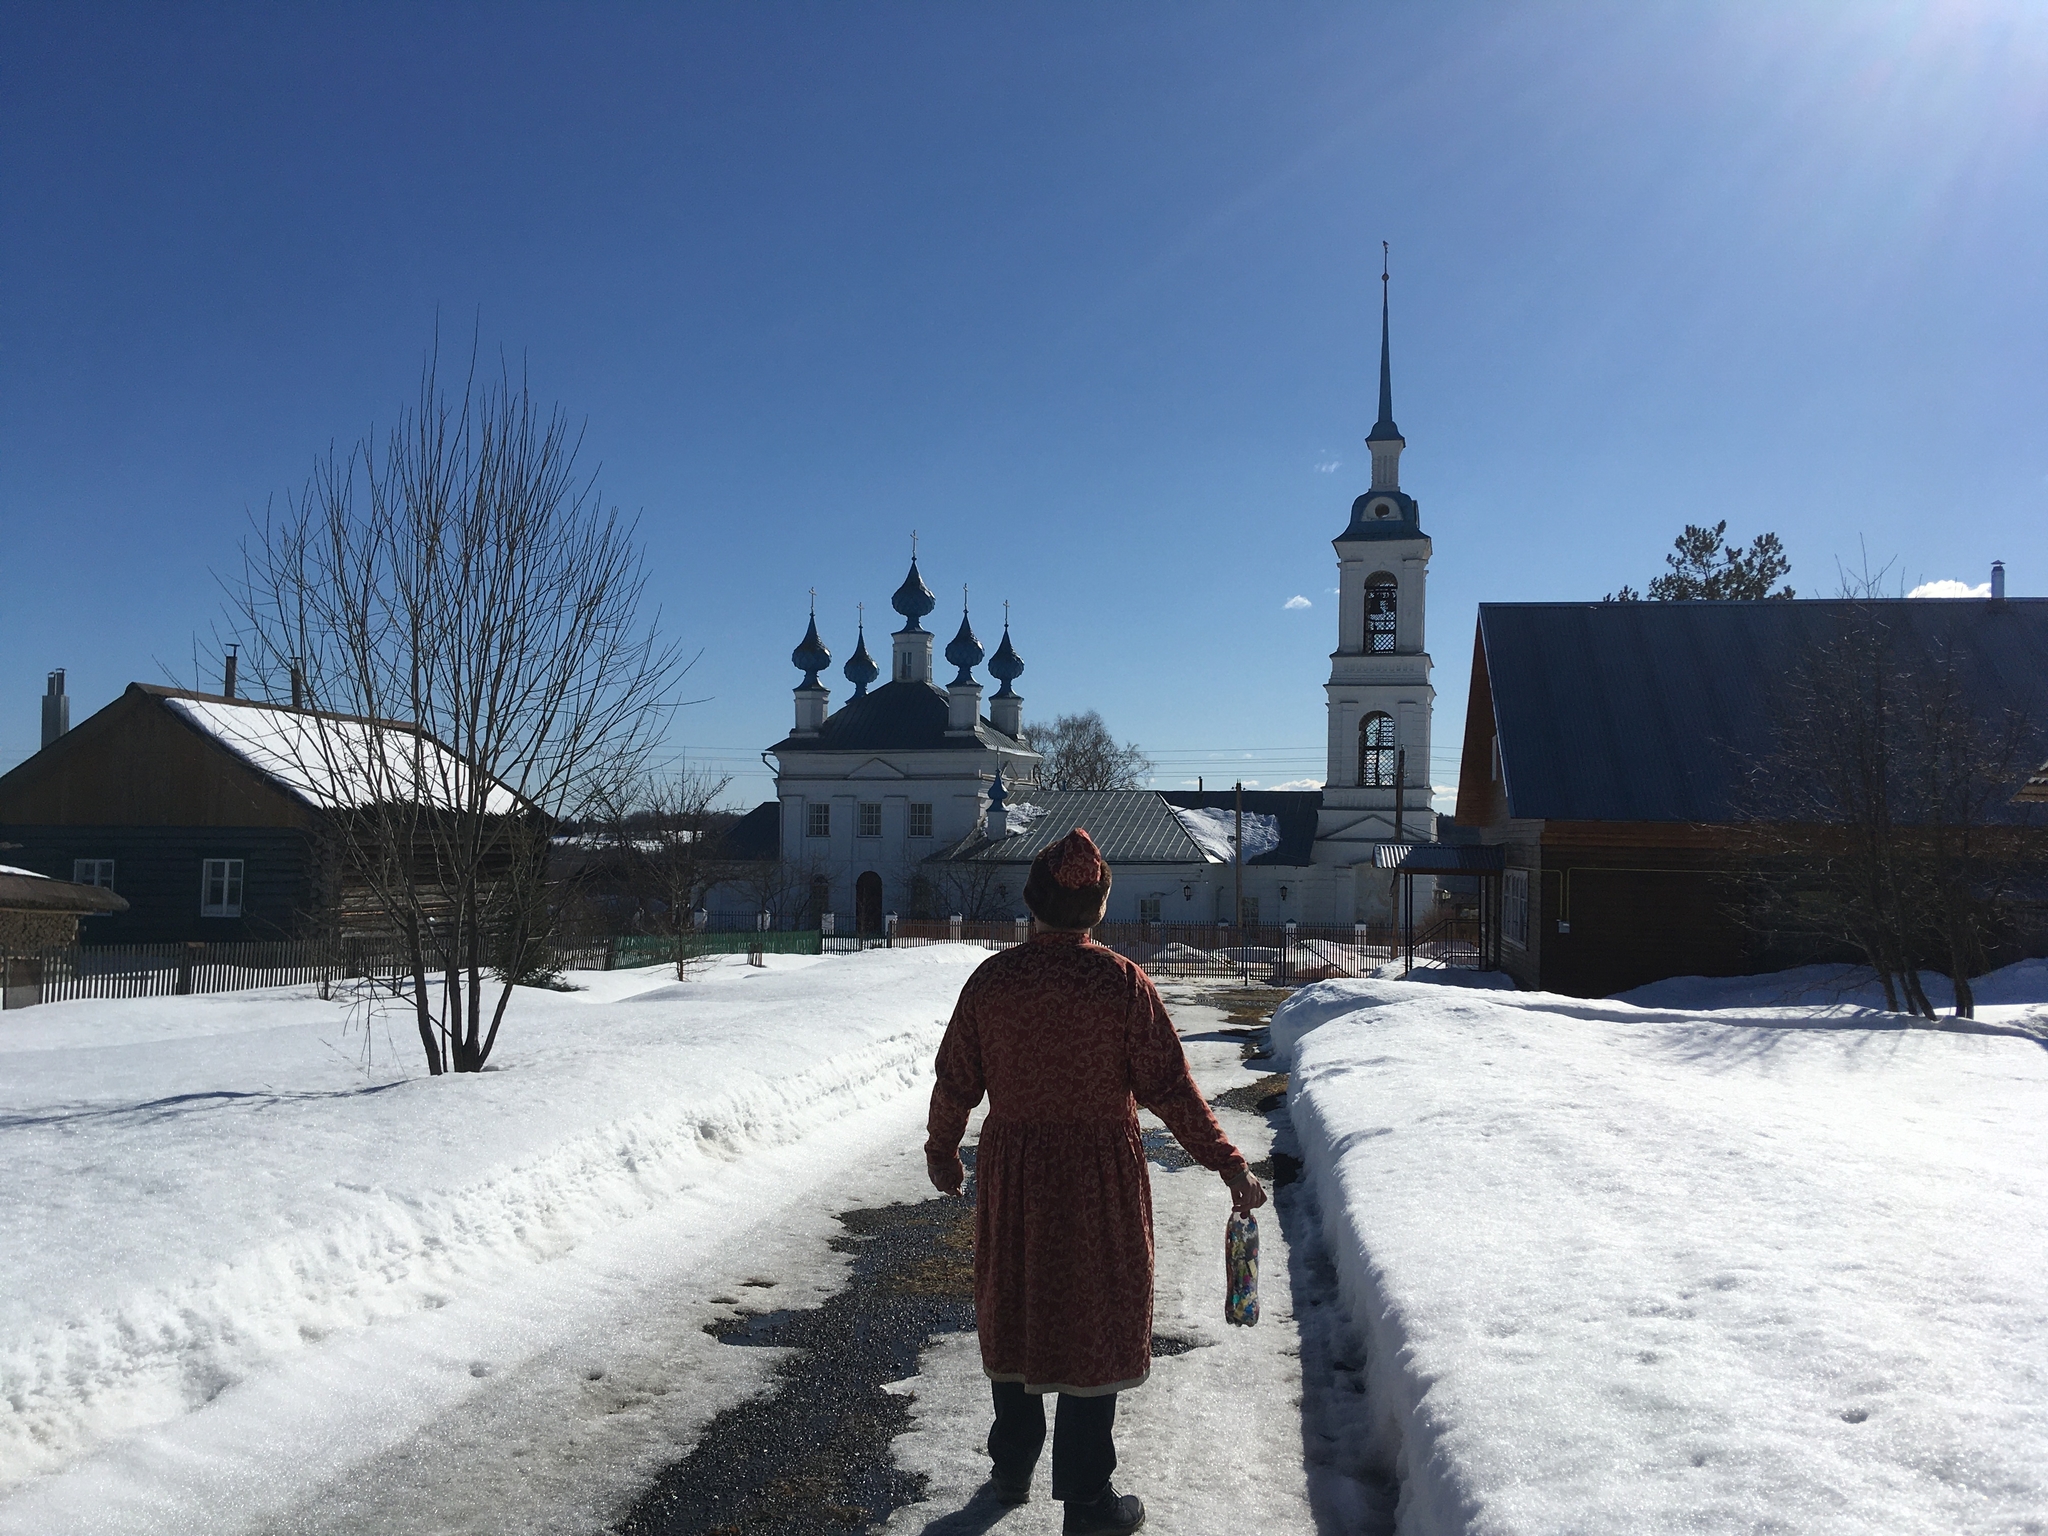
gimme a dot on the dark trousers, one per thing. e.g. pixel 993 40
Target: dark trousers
pixel 1083 1448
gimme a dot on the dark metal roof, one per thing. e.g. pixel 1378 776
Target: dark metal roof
pixel 1130 826
pixel 1405 524
pixel 1652 711
pixel 1297 811
pixel 756 835
pixel 1440 858
pixel 896 717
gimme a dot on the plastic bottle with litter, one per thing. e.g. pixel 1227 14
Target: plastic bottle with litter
pixel 1241 1270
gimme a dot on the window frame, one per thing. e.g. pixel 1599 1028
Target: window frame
pixel 1151 909
pixel 1382 613
pixel 870 819
pixel 99 872
pixel 233 878
pixel 818 818
pixel 1514 907
pixel 1380 756
pixel 922 819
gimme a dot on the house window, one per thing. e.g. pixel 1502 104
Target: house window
pixel 220 888
pixel 920 818
pixel 818 820
pixel 1380 592
pixel 870 818
pixel 1376 750
pixel 93 872
pixel 1148 909
pixel 1514 907
pixel 1251 911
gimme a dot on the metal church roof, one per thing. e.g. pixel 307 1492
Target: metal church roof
pixel 900 716
pixel 1655 711
pixel 1130 826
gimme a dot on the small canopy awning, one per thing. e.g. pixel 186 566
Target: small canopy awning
pixel 1440 859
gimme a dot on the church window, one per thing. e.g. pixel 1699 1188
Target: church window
pixel 870 818
pixel 1149 909
pixel 1376 750
pixel 1380 592
pixel 818 820
pixel 920 818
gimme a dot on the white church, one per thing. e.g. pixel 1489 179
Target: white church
pixel 910 799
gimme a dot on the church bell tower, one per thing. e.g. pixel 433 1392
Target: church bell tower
pixel 1379 694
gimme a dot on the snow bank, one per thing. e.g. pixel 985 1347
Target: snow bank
pixel 200 1186
pixel 1215 832
pixel 1628 1271
pixel 2024 984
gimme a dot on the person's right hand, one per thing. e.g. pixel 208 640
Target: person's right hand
pixel 1247 1194
pixel 948 1174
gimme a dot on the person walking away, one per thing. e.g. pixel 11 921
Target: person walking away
pixel 1067 1039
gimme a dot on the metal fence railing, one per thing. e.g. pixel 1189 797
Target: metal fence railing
pixel 178 970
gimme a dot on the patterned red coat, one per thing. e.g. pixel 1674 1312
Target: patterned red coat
pixel 1066 1038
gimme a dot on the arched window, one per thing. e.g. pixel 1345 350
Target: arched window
pixel 1376 750
pixel 1380 592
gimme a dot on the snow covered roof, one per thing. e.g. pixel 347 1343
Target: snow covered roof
pixel 23 890
pixel 336 761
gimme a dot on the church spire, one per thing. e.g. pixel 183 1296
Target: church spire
pixel 1385 440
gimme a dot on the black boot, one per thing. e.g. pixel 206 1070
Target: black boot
pixel 1011 1490
pixel 1107 1514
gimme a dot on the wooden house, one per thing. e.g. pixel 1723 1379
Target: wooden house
pixel 213 816
pixel 1608 749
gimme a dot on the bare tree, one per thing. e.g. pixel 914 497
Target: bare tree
pixel 460 615
pixel 669 838
pixel 980 890
pixel 1881 818
pixel 789 891
pixel 1080 753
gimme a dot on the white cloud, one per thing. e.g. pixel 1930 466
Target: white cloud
pixel 1297 601
pixel 1329 466
pixel 1301 784
pixel 1951 589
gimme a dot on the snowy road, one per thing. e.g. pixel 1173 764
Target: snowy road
pixel 527 1357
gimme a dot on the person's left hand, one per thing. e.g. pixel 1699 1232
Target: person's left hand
pixel 948 1174
pixel 1247 1194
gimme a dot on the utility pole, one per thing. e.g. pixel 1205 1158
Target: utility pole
pixel 1237 852
pixel 1400 793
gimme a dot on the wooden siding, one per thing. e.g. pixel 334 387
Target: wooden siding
pixel 137 764
pixel 159 870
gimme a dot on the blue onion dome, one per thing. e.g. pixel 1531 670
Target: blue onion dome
pixel 1007 665
pixel 998 796
pixel 860 666
pixel 913 600
pixel 811 657
pixel 964 651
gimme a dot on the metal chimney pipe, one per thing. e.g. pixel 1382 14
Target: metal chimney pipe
pixel 1998 581
pixel 56 708
pixel 228 683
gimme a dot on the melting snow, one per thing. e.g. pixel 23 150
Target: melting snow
pixel 340 762
pixel 1214 831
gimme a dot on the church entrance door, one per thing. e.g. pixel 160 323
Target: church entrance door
pixel 867 903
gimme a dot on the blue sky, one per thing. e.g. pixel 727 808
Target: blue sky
pixel 1086 295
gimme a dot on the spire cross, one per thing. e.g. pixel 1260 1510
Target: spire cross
pixel 1006 613
pixel 963 597
pixel 913 544
pixel 1386 258
pixel 814 602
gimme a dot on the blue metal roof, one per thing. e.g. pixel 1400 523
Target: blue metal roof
pixel 1654 711
pixel 899 716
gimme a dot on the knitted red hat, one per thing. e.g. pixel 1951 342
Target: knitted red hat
pixel 1075 861
pixel 1069 883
